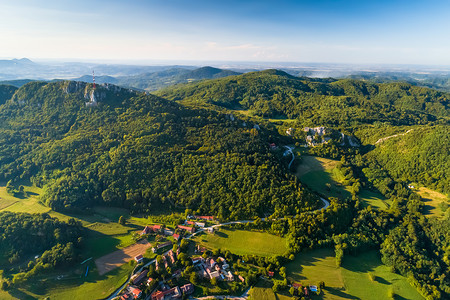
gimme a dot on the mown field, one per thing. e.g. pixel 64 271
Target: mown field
pixel 435 202
pixel 317 172
pixel 104 236
pixel 351 280
pixel 243 242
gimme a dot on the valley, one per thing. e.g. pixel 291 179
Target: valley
pixel 134 160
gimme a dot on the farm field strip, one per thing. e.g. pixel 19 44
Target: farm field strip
pixel 117 258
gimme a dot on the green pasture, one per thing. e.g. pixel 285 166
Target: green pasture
pixel 243 242
pixel 351 280
pixel 317 172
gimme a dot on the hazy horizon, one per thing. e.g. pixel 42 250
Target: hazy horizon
pixel 324 31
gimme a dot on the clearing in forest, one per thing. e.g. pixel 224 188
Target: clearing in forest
pixel 318 172
pixel 435 203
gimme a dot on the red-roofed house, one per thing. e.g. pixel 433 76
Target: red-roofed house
pixel 126 297
pixel 151 228
pixel 136 292
pixel 270 273
pixel 209 218
pixel 187 228
pixel 173 293
pixel 190 222
pixel 176 237
pixel 297 286
pixel 139 258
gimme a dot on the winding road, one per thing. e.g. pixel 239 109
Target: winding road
pixel 289 150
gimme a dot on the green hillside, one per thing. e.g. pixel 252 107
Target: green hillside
pixel 273 93
pixel 140 152
pixel 419 156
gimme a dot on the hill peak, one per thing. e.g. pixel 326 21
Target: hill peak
pixel 277 72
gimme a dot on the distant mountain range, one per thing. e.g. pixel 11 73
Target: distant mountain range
pixel 20 71
pixel 156 80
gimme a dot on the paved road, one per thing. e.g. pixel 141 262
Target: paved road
pixel 289 149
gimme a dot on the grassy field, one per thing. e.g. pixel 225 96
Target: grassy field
pixel 72 286
pixel 30 204
pixel 104 236
pixel 351 281
pixel 258 243
pixel 317 172
pixel 432 200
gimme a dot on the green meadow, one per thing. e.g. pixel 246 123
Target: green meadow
pixel 317 172
pixel 243 242
pixel 360 277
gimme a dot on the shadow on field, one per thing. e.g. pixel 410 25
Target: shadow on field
pixel 382 280
pixel 339 293
pixel 221 234
pixel 17 294
pixel 427 208
pixel 368 264
pixel 313 174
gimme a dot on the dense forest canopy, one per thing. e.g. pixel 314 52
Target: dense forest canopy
pixel 273 93
pixel 420 156
pixel 23 234
pixel 141 152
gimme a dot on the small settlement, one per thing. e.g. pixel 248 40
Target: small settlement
pixel 182 267
pixel 162 278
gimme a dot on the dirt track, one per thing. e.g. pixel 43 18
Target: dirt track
pixel 117 258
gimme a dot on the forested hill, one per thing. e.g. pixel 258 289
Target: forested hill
pixel 419 156
pixel 123 148
pixel 273 93
pixel 6 92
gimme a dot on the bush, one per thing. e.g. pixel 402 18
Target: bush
pixel 5 285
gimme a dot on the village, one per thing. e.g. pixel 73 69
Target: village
pixel 183 269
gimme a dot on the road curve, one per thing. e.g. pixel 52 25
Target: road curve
pixel 289 149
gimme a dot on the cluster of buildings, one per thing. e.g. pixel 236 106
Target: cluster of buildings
pixel 131 292
pixel 210 268
pixel 168 259
pixel 173 293
pixel 163 245
pixel 299 289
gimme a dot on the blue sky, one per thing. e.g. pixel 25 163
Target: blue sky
pixel 389 32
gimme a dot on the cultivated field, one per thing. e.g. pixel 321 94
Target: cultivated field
pixel 317 172
pixel 243 242
pixel 432 201
pixel 117 258
pixel 351 281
